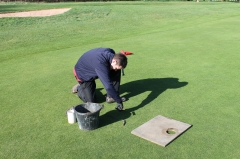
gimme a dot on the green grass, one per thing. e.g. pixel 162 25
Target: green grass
pixel 185 66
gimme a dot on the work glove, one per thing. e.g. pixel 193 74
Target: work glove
pixel 119 106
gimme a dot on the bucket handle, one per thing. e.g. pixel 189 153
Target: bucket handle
pixel 102 106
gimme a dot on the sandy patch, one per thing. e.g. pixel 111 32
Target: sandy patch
pixel 39 13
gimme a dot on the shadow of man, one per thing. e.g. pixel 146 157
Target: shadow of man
pixel 156 85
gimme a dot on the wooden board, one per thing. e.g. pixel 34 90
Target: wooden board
pixel 161 130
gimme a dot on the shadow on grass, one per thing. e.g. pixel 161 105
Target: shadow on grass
pixel 156 85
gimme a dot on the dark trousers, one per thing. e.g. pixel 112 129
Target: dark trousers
pixel 87 89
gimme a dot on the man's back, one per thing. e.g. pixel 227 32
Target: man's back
pixel 94 63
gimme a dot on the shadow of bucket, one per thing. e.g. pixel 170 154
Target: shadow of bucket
pixel 88 115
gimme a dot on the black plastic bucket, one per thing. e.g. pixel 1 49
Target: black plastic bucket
pixel 88 115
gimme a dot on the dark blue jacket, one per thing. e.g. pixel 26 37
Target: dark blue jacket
pixel 95 64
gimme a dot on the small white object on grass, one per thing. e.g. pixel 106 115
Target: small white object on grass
pixel 71 116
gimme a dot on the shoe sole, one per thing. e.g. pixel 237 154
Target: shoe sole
pixel 123 100
pixel 74 88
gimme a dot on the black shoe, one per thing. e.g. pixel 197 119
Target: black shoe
pixel 111 100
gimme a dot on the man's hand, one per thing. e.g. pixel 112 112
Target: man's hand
pixel 119 106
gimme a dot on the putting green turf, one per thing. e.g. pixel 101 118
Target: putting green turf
pixel 185 67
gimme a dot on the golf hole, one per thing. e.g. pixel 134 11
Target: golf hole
pixel 171 131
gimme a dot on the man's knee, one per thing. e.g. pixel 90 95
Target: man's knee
pixel 86 94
